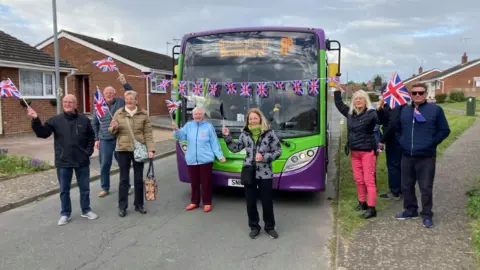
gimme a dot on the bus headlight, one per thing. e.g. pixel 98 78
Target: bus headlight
pixel 300 159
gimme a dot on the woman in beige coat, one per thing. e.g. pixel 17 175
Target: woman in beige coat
pixel 127 120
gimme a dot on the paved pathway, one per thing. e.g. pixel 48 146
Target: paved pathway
pixel 386 243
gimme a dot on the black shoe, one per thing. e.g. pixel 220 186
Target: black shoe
pixel 273 234
pixel 254 233
pixel 140 209
pixel 370 213
pixel 361 206
pixel 122 212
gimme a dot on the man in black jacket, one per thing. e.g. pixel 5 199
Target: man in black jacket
pixel 393 150
pixel 73 144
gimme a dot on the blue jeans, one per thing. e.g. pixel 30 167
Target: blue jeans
pixel 64 176
pixel 394 158
pixel 105 156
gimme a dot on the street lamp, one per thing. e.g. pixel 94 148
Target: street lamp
pixel 57 58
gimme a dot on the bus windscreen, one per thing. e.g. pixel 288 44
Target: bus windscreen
pixel 255 57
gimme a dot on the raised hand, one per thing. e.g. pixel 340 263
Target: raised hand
pixel 33 114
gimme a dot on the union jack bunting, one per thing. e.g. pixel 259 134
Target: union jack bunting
pixel 333 79
pixel 106 65
pixel 146 76
pixel 313 87
pixel 197 88
pixel 182 88
pixel 297 87
pixel 245 89
pixel 8 89
pixel 396 94
pixel 172 105
pixel 231 88
pixel 164 84
pixel 262 89
pixel 99 104
pixel 213 89
pixel 279 85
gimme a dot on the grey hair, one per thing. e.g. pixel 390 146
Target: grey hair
pixel 202 110
pixel 131 93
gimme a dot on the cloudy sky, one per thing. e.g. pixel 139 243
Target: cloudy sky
pixel 377 36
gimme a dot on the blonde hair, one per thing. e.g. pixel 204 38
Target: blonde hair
pixel 360 94
pixel 131 93
pixel 263 121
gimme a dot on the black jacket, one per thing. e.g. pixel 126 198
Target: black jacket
pixel 388 117
pixel 360 127
pixel 73 138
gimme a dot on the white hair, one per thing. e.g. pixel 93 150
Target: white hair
pixel 198 109
pixel 360 94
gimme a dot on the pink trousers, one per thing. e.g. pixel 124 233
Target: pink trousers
pixel 363 167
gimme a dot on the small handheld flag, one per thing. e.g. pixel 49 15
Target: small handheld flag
pixel 100 105
pixel 106 65
pixel 8 89
pixel 172 106
pixel 418 116
pixel 396 94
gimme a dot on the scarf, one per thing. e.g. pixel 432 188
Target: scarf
pixel 131 112
pixel 256 131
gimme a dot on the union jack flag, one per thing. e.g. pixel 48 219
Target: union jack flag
pixel 231 88
pixel 197 88
pixel 164 84
pixel 172 105
pixel 297 87
pixel 8 89
pixel 245 90
pixel 106 65
pixel 146 76
pixel 396 94
pixel 313 87
pixel 262 89
pixel 213 89
pixel 182 88
pixel 100 104
pixel 279 85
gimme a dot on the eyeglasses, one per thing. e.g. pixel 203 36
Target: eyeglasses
pixel 418 93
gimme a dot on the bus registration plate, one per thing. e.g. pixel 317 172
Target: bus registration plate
pixel 234 182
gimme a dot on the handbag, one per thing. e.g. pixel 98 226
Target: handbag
pixel 140 152
pixel 247 175
pixel 151 187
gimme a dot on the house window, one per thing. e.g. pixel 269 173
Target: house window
pixel 155 82
pixel 36 83
pixel 476 82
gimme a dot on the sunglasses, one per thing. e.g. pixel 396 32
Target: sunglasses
pixel 418 93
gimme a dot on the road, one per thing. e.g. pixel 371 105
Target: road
pixel 167 237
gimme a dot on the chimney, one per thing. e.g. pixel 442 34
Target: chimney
pixel 464 58
pixel 420 70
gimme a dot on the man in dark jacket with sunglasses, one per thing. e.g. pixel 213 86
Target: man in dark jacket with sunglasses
pixel 421 127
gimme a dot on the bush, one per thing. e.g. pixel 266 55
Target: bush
pixel 440 98
pixel 457 96
pixel 373 97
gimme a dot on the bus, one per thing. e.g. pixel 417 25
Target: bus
pixel 284 60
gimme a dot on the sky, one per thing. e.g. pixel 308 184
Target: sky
pixel 377 36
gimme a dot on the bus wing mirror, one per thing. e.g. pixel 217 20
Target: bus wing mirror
pixel 338 48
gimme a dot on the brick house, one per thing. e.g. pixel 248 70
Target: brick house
pixel 81 51
pixel 33 73
pixel 422 75
pixel 464 77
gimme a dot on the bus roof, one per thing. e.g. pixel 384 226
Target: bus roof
pixel 317 31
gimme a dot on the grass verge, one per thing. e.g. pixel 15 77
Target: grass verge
pixel 12 166
pixel 473 211
pixel 460 106
pixel 348 220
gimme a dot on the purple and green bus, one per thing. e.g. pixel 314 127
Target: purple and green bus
pixel 253 55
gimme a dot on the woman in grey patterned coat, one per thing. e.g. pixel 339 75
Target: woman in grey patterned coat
pixel 262 147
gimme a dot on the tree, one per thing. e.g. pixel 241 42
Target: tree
pixel 377 81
